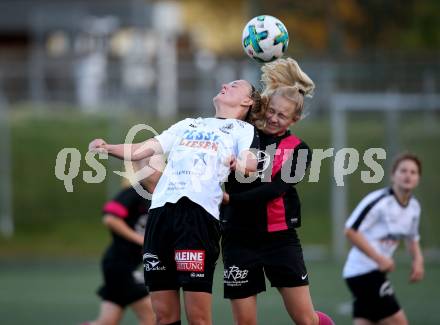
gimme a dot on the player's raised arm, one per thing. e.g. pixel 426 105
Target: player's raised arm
pixel 128 151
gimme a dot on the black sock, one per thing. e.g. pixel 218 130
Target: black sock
pixel 175 323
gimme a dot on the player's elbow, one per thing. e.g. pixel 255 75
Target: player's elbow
pixel 349 232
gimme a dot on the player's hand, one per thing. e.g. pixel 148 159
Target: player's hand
pixel 98 145
pixel 417 271
pixel 139 240
pixel 225 198
pixel 231 161
pixel 386 264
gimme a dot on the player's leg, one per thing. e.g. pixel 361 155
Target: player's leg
pixel 298 303
pixel 144 311
pixel 109 314
pixel 285 268
pixel 398 318
pixel 166 306
pixel 374 300
pixel 243 276
pixel 197 248
pixel 198 307
pixel 244 310
pixel 362 321
pixel 160 267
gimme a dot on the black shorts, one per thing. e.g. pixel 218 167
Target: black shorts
pixel 181 247
pixel 121 285
pixel 249 257
pixel 374 297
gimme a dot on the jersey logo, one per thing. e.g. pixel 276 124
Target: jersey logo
pixel 200 158
pixel 227 128
pixel 386 289
pixel 151 263
pixel 234 277
pixel 200 139
pixel 190 260
pixel 242 123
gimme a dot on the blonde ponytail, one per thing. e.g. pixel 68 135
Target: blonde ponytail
pixel 286 72
pixel 285 77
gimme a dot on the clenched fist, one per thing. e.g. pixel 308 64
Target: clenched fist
pixel 98 145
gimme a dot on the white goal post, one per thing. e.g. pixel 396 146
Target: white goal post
pixel 6 219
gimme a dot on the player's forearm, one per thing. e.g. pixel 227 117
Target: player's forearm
pixel 149 170
pixel 359 240
pixel 120 227
pixel 415 251
pixel 262 193
pixel 133 152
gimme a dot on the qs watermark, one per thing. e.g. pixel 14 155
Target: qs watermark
pixel 345 161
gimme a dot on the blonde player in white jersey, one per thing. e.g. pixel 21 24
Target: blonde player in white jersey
pixel 181 243
pixel 375 227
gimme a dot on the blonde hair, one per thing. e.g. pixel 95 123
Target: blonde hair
pixel 284 77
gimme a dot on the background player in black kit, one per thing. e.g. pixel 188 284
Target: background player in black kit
pixel 259 236
pixel 126 217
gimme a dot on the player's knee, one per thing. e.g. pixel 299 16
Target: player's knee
pixel 198 317
pixel 165 316
pixel 199 320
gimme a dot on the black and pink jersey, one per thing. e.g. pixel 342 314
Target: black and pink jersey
pixel 271 204
pixel 133 209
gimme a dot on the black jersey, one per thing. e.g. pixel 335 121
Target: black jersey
pixel 271 205
pixel 133 209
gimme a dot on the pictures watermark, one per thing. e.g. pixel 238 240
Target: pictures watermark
pixel 289 164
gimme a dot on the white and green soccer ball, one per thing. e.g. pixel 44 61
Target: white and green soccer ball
pixel 265 38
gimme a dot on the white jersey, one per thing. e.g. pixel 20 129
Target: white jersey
pixel 198 160
pixel 383 221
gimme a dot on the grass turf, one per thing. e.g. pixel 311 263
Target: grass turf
pixel 62 292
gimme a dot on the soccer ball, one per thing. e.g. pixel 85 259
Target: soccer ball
pixel 265 38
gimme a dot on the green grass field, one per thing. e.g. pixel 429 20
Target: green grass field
pixel 62 293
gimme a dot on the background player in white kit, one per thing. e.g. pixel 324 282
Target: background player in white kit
pixel 375 228
pixel 182 238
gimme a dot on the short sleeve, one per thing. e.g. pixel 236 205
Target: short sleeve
pixel 168 137
pixel 120 205
pixel 365 214
pixel 247 137
pixel 415 222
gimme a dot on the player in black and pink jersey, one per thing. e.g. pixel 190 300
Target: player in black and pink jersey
pixel 125 216
pixel 260 218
